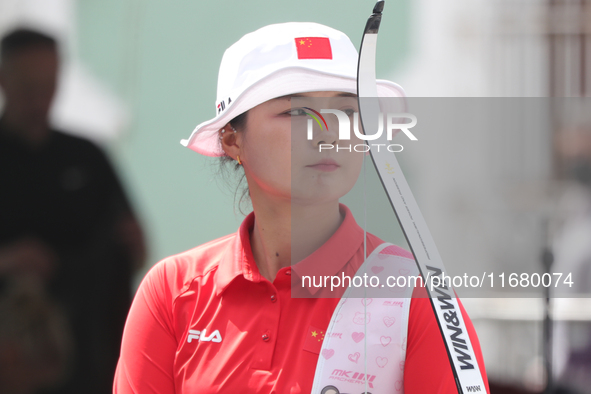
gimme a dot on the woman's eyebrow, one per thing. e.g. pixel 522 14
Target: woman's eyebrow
pixel 289 96
pixel 286 97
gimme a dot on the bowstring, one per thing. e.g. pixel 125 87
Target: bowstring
pixel 364 261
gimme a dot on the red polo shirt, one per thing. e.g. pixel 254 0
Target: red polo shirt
pixel 205 321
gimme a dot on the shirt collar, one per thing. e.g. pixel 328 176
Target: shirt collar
pixel 329 259
pixel 238 258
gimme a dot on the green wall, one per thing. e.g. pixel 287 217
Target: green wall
pixel 162 58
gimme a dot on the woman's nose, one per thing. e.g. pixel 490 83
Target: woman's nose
pixel 326 138
pixel 329 134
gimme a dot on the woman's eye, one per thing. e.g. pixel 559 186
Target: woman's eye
pixel 349 111
pixel 296 112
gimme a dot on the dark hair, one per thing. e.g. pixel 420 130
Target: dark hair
pixel 20 39
pixel 239 124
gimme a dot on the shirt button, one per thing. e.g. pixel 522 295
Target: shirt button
pixel 273 298
pixel 288 272
pixel 266 337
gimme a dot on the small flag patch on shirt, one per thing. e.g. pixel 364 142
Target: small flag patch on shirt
pixel 313 48
pixel 314 338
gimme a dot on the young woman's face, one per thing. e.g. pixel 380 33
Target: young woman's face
pixel 279 159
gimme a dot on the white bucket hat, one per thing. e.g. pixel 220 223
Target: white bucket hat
pixel 275 61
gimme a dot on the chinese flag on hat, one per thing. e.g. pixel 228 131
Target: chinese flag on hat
pixel 313 48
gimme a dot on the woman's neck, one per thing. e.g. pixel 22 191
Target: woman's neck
pixel 285 232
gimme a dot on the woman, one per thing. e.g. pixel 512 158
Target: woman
pixel 220 318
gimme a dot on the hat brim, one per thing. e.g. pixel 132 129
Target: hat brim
pixel 205 137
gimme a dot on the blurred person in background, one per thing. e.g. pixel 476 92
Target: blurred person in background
pixel 35 342
pixel 572 249
pixel 66 226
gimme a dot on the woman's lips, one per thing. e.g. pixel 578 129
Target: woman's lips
pixel 326 165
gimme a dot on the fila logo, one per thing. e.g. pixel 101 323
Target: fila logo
pixel 201 336
pixel 222 105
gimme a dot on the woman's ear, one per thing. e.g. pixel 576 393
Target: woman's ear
pixel 230 141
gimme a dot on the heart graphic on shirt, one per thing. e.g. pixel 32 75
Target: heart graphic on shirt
pixel 327 353
pixel 381 361
pixel 403 344
pixel 366 301
pixel 398 385
pixel 401 365
pixel 376 269
pixel 383 256
pixel 339 317
pixel 403 271
pixel 354 357
pixel 385 341
pixel 358 336
pixel 388 321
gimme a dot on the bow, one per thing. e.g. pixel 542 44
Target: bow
pixel 445 305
